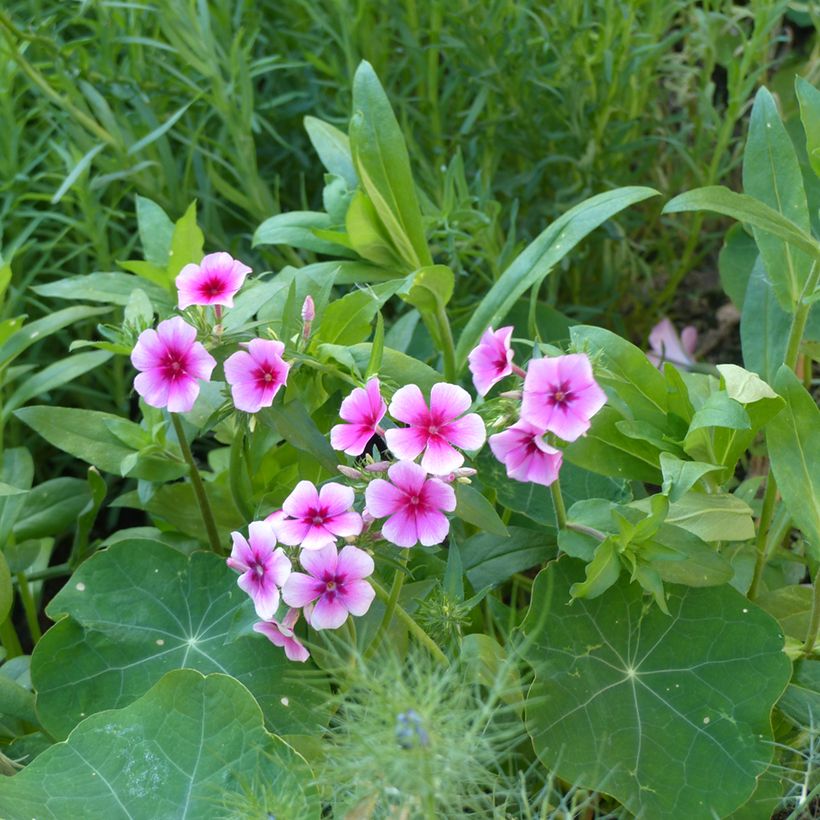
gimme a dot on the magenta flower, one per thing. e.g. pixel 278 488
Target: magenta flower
pixel 280 633
pixel 363 409
pixel 171 362
pixel 415 504
pixel 214 281
pixel 256 374
pixel 434 430
pixel 667 346
pixel 335 582
pixel 263 565
pixel 560 395
pixel 316 518
pixel 527 457
pixel 491 360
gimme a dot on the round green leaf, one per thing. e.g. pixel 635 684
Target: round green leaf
pixel 192 747
pixel 668 713
pixel 140 609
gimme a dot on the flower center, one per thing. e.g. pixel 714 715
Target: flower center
pixel 318 519
pixel 213 288
pixel 414 500
pixel 562 395
pixel 259 570
pixel 432 430
pixel 330 586
pixel 268 377
pixel 176 367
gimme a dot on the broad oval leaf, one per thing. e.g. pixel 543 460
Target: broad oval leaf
pixel 191 747
pixel 140 609
pixel 670 714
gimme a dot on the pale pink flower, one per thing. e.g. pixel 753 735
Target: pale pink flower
pixel 335 583
pixel 256 374
pixel 214 281
pixel 527 457
pixel 280 633
pixel 172 361
pixel 317 518
pixel 667 346
pixel 435 430
pixel 491 360
pixel 263 565
pixel 561 395
pixel 414 503
pixel 363 409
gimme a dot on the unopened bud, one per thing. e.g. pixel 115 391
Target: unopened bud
pixel 308 309
pixel 367 518
pixel 377 467
pixel 465 472
pixel 349 472
pixel 510 394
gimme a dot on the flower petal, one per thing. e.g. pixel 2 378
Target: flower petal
pixel 400 529
pixel 468 432
pixel 353 564
pixel 320 563
pixel 345 525
pixel 242 555
pixel 448 401
pixel 407 476
pixel 408 405
pixel 328 613
pixel 303 498
pixel 153 387
pixel 300 589
pixel 440 458
pixel 381 498
pixel 182 393
pixel 292 531
pixel 356 597
pixel 336 498
pixel 432 527
pixel 406 442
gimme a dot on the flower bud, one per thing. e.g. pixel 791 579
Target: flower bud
pixel 377 467
pixel 308 309
pixel 349 472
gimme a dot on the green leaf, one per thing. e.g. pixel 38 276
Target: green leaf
pixel 383 166
pixel 743 386
pixel 473 508
pixel 294 424
pixel 6 589
pixel 793 438
pixel 431 289
pixel 720 411
pixel 670 715
pixel 791 605
pixel 600 573
pixel 737 257
pixel 17 471
pixel 397 368
pixel 156 232
pixel 348 321
pixel 84 434
pixel 110 288
pixel 490 560
pixel 714 517
pixel 192 746
pixel 297 229
pixel 771 174
pixel 368 235
pixel 139 609
pixel 333 148
pixel 809 98
pixel 680 476
pixel 744 208
pixel 801 700
pixel 51 508
pixel 533 264
pixel 187 243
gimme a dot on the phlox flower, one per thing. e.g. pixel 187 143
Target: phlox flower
pixel 667 346
pixel 317 518
pixel 435 429
pixel 334 582
pixel 171 362
pixel 280 633
pixel 491 360
pixel 363 409
pixel 414 503
pixel 561 395
pixel 527 457
pixel 214 281
pixel 263 565
pixel 256 374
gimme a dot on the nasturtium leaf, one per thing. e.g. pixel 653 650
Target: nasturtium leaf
pixel 668 713
pixel 801 700
pixel 139 609
pixel 193 746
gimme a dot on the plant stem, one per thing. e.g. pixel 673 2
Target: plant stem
pixel 9 639
pixel 49 572
pixel 418 633
pixel 766 514
pixel 199 487
pixel 390 610
pixel 801 316
pixel 558 503
pixel 448 351
pixel 236 476
pixel 29 607
pixel 814 623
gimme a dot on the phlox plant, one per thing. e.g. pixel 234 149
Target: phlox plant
pixel 394 560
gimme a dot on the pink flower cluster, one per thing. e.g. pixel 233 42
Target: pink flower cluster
pixel 560 396
pixel 172 362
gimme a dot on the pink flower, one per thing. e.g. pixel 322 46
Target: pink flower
pixel 280 633
pixel 214 281
pixel 491 360
pixel 560 395
pixel 317 518
pixel 667 346
pixel 256 374
pixel 364 408
pixel 263 565
pixel 414 504
pixel 435 430
pixel 334 582
pixel 171 361
pixel 525 454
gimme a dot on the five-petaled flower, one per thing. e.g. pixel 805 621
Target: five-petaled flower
pixel 414 503
pixel 491 360
pixel 214 281
pixel 435 429
pixel 280 633
pixel 171 362
pixel 263 565
pixel 334 582
pixel 256 374
pixel 363 409
pixel 317 518
pixel 561 395
pixel 525 454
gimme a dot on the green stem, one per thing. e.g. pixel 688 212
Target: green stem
pixel 415 630
pixel 814 624
pixel 29 607
pixel 558 503
pixel 390 610
pixel 9 639
pixel 766 514
pixel 236 475
pixel 801 316
pixel 199 488
pixel 448 346
pixel 57 571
